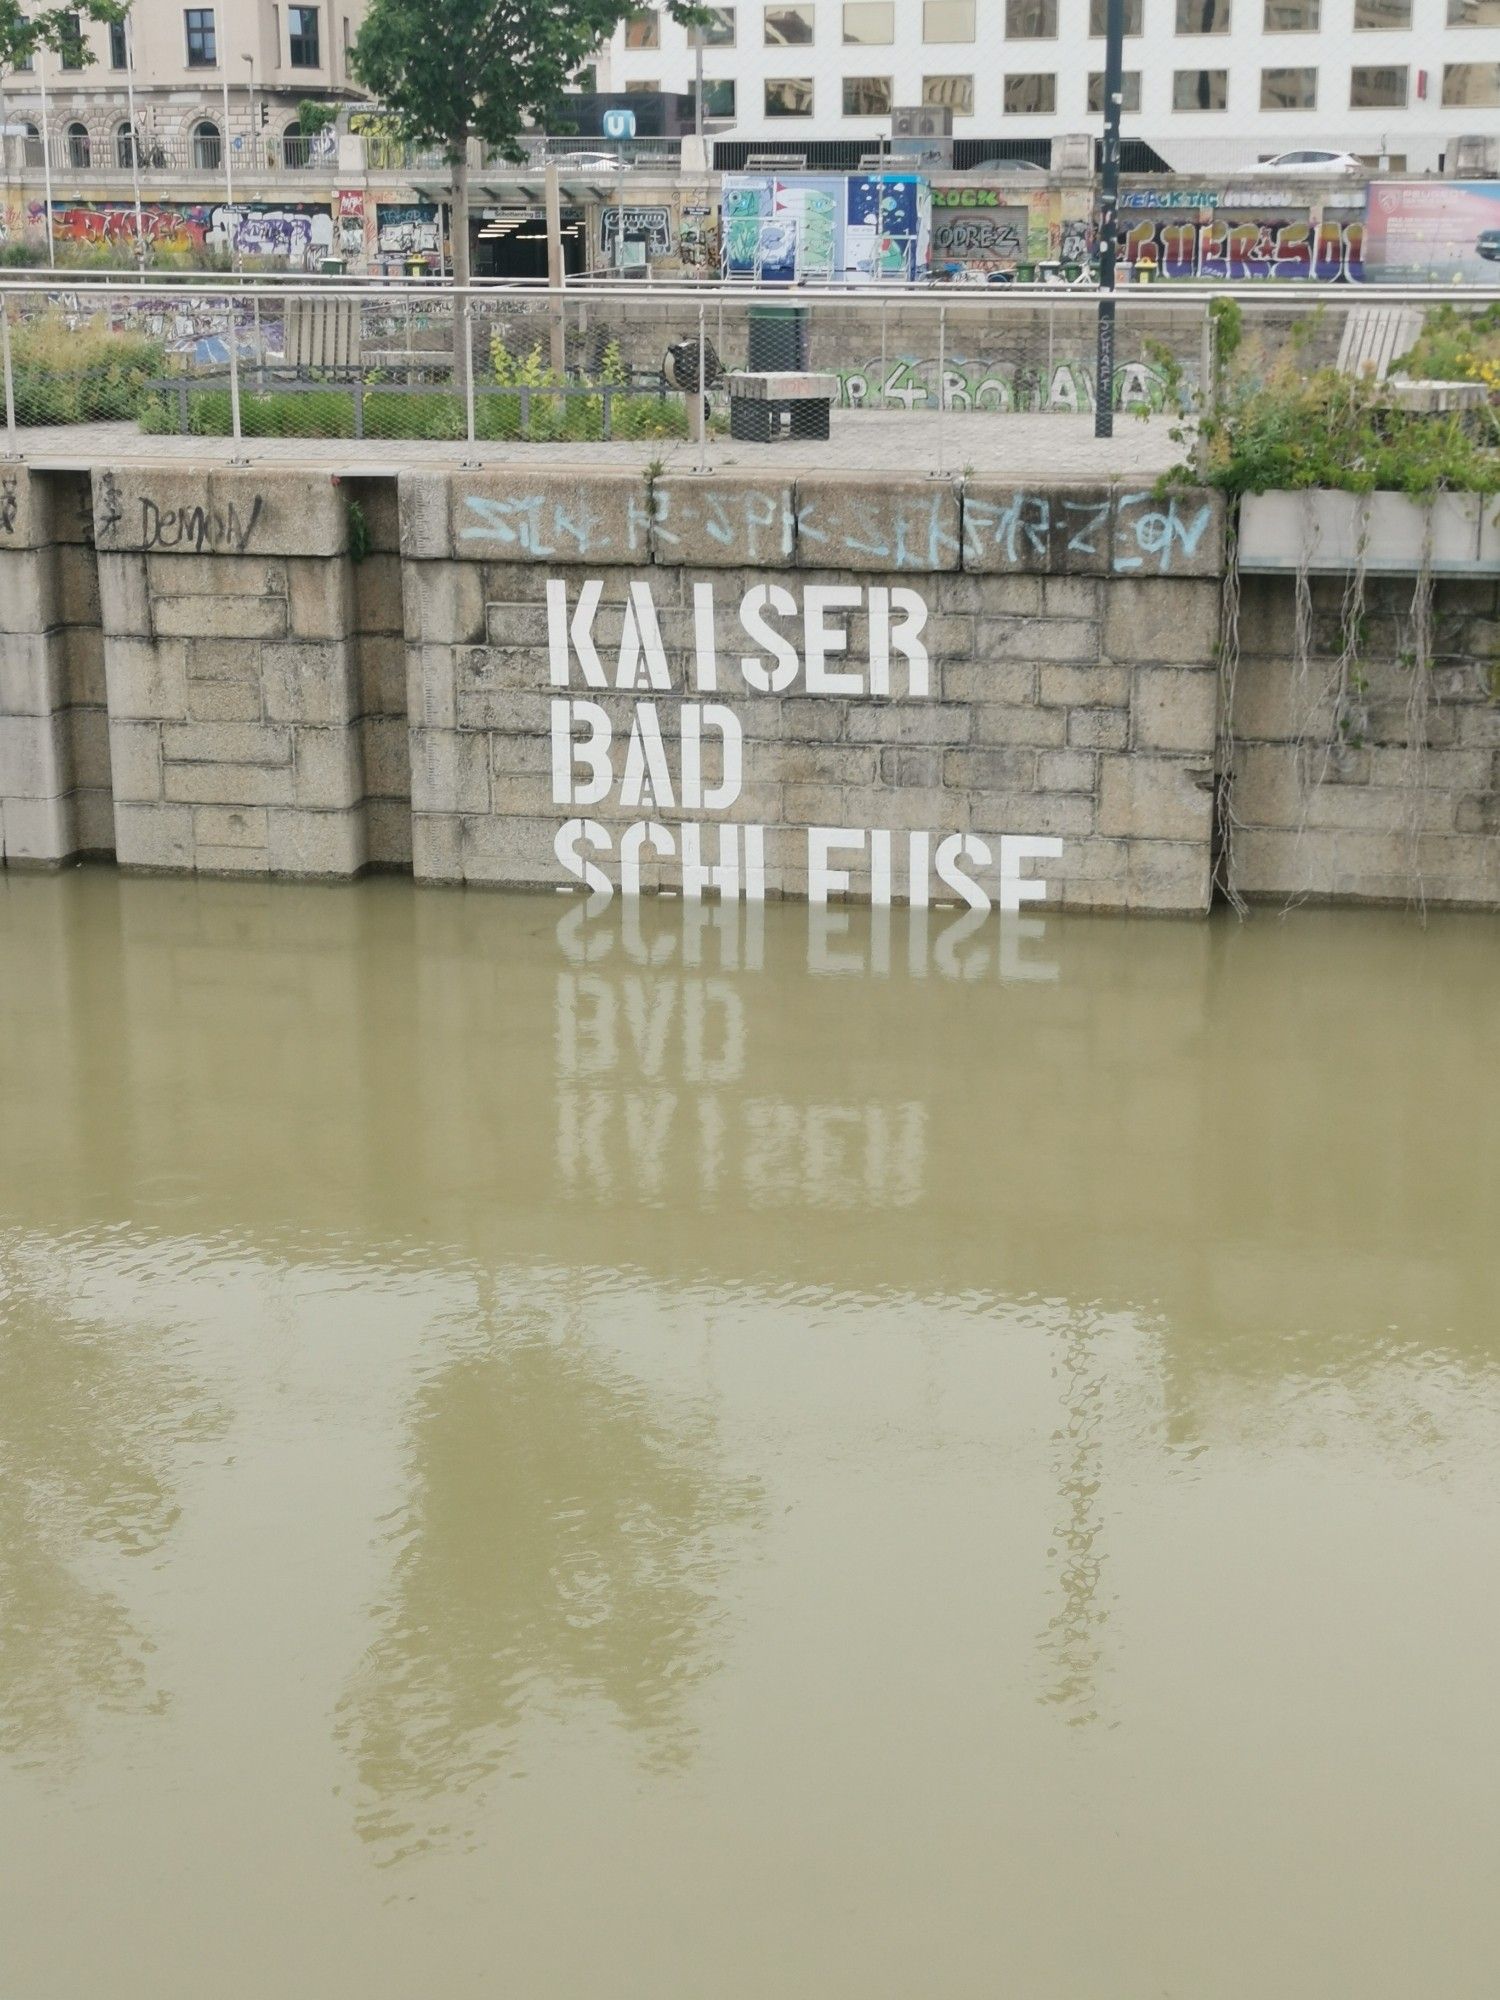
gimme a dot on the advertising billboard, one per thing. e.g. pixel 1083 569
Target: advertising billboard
pixel 1433 232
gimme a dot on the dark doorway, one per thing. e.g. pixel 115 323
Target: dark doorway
pixel 515 245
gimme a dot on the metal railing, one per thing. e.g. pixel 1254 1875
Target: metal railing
pixel 917 377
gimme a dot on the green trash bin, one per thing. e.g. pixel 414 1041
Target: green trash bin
pixel 780 339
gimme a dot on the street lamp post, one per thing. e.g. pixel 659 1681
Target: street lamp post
pixel 41 77
pixel 1109 207
pixel 135 144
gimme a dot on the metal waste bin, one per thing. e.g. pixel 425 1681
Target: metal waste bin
pixel 780 339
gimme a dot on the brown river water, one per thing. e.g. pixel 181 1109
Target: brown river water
pixel 662 1455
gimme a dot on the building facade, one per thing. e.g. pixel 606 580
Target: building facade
pixel 196 76
pixel 1208 83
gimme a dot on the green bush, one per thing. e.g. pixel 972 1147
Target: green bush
pixel 80 374
pixel 436 414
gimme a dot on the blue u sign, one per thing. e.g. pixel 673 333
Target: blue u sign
pixel 619 123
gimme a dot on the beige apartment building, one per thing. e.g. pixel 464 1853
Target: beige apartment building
pixel 190 71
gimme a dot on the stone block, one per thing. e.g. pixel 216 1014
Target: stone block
pixel 230 862
pixel 1055 815
pixel 1174 708
pixel 315 843
pixel 1179 534
pixel 226 784
pixel 1084 687
pixel 38 832
pixel 93 822
pixel 375 586
pixel 1268 784
pixel 723 520
pixel 382 674
pixel 388 842
pixel 298 512
pixel 1169 877
pixel 1098 728
pixel 88 738
pixel 1015 597
pixel 1029 639
pixel 228 742
pixel 903 523
pixel 28 593
pixel 174 509
pixel 83 650
pixel 329 773
pixel 154 836
pixel 550 514
pixel 320 598
pixel 387 756
pixel 444 604
pixel 124 595
pixel 922 769
pixel 1155 798
pixel 1066 771
pixel 1051 530
pixel 32 672
pixel 422 501
pixel 229 826
pixel 1169 620
pixel 518 852
pixel 518 625
pixel 224 701
pixel 1273 704
pixel 432 686
pixel 34 759
pixel 77 585
pixel 1010 681
pixel 308 683
pixel 225 576
pixel 450 772
pixel 999 722
pixel 908 722
pixel 22 509
pixel 223 660
pixel 135 759
pixel 209 617
pixel 437 847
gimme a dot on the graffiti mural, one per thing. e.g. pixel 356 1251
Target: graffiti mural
pixel 295 231
pixel 906 383
pixel 1237 251
pixel 406 229
pixel 981 235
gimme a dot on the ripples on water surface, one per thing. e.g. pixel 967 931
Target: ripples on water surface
pixel 679 1456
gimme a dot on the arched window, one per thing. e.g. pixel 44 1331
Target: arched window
pixel 31 142
pixel 208 150
pixel 127 146
pixel 80 154
pixel 295 147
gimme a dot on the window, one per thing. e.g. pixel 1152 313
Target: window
pixel 1293 17
pixel 1130 90
pixel 127 147
pixel 1099 10
pixel 1474 13
pixel 1381 16
pixel 1472 84
pixel 202 51
pixel 70 45
pixel 867 97
pixel 31 146
pixel 643 31
pixel 788 27
pixel 80 153
pixel 869 21
pixel 1289 90
pixel 1376 89
pixel 947 20
pixel 950 93
pixel 119 54
pixel 645 86
pixel 207 152
pixel 1204 17
pixel 717 32
pixel 1027 95
pixel 718 97
pixel 1200 89
pixel 296 147
pixel 1031 20
pixel 789 96
pixel 302 37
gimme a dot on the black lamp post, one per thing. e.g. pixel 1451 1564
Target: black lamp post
pixel 1109 207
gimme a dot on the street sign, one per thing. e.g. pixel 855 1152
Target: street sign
pixel 619 123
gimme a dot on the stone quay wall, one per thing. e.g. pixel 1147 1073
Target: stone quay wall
pixel 821 685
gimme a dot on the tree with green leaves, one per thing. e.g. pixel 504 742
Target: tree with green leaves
pixel 481 69
pixel 55 28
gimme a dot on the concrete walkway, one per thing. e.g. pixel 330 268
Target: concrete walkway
pixel 1041 447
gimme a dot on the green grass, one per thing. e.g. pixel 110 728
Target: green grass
pixel 417 413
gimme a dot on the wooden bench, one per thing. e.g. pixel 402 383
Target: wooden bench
pixel 782 403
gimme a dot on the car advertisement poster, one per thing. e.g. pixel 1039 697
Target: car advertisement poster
pixel 1432 232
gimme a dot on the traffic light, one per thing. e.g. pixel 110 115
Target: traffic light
pixel 265 115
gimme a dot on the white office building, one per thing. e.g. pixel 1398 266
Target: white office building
pixel 1208 83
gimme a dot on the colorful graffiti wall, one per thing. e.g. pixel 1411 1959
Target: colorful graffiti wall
pixel 405 230
pixel 854 227
pixel 1240 251
pixel 299 232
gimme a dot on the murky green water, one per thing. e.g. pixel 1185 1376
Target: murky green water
pixel 655 1457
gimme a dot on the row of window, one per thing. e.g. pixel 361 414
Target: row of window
pixel 200 40
pixel 872 23
pixel 1380 87
pixel 132 150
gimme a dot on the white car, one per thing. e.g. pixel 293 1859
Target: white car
pixel 1305 163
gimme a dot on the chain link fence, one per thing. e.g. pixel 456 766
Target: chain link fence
pixel 893 376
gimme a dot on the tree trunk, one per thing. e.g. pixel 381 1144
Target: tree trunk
pixel 463 338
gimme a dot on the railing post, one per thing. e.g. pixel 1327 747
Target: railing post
pixel 234 372
pixel 942 384
pixel 468 312
pixel 359 404
pixel 702 399
pixel 12 446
